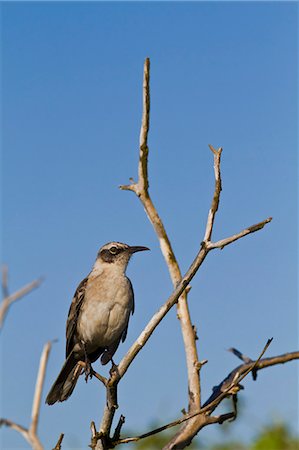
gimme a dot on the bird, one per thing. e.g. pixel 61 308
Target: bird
pixel 98 317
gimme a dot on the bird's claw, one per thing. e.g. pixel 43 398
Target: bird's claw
pixel 88 371
pixel 114 368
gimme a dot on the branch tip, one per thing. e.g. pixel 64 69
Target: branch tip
pixel 59 442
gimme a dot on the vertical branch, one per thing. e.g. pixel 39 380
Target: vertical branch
pixel 39 388
pixel 216 196
pixel 142 169
pixel 141 190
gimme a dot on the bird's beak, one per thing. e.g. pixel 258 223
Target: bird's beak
pixel 137 248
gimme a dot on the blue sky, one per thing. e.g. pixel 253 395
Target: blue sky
pixel 221 73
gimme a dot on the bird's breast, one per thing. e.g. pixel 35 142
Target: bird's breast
pixel 105 312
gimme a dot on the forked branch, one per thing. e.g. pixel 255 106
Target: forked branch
pixel 180 286
pixel 9 299
pixel 141 190
pixel 226 388
pixel 30 434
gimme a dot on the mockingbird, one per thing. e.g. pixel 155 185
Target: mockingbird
pixel 98 317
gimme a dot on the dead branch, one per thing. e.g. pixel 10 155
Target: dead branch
pixel 39 388
pixel 226 388
pixel 229 240
pixel 94 435
pixel 59 442
pixel 30 434
pixel 141 189
pixel 9 299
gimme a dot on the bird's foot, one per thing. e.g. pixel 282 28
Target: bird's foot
pixel 114 368
pixel 88 370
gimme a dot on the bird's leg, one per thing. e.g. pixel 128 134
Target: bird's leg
pixel 88 368
pixel 113 367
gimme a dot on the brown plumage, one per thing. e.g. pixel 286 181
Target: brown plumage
pixel 98 317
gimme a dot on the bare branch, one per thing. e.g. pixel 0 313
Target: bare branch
pixel 143 175
pixel 238 374
pixel 100 377
pixel 59 442
pixel 94 437
pixel 33 440
pixel 143 338
pixel 216 196
pixel 39 388
pixel 181 285
pixel 15 426
pixel 231 385
pixel 8 300
pixel 179 295
pixel 30 434
pixel 158 430
pixel 160 314
pixel 141 190
pixel 109 411
pixel 118 428
pixel 220 419
pixel 252 229
pixel 225 388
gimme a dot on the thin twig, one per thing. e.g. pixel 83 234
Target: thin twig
pixel 95 374
pixel 216 196
pixel 143 171
pixel 59 442
pixel 8 300
pixel 33 440
pixel 229 240
pixel 100 377
pixel 94 439
pixel 118 428
pixel 15 426
pixel 220 419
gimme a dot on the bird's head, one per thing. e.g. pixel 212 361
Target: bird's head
pixel 117 254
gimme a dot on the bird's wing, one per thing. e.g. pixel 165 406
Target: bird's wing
pixel 132 302
pixel 73 315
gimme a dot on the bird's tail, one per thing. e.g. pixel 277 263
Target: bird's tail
pixel 65 382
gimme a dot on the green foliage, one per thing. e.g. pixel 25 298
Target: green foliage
pixel 276 437
pixel 228 446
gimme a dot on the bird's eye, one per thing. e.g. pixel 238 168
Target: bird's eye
pixel 113 250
